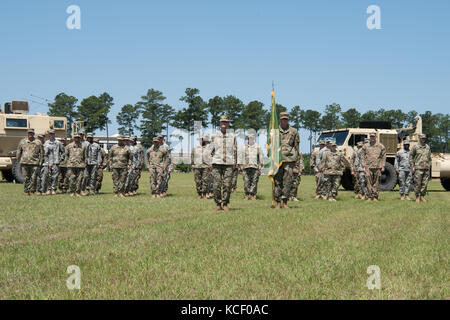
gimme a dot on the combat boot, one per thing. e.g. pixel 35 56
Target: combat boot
pixel 72 194
pixel 363 197
pixel 318 197
pixel 200 197
pixel 331 199
pixel 356 196
pixel 225 208
pixel 39 194
pixel 295 199
pixel 407 198
pixel 63 191
pixel 116 195
pixel 417 198
pixel 422 198
pixel 285 206
pixel 77 195
pixel 218 208
pixel 48 193
pixel 375 199
pixel 402 197
pixel 278 206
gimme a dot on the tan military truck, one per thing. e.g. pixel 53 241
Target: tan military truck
pixel 392 139
pixel 14 122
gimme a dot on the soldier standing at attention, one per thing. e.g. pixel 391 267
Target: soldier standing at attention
pixel 314 167
pixel 137 156
pixel 30 155
pixel 373 160
pixel 251 161
pixel 403 168
pixel 420 160
pixel 200 165
pixel 119 164
pixel 290 153
pixel 322 188
pixel 54 154
pixel 76 162
pixel 224 160
pixel 359 172
pixel 166 176
pixel 296 179
pixel 104 164
pixel 93 161
pixel 40 186
pixel 333 166
pixel 355 162
pixel 63 179
pixel 157 160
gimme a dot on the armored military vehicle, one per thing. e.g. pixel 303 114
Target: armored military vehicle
pixel 14 122
pixel 392 139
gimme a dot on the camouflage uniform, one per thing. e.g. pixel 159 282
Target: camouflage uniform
pixel 318 174
pixel 201 164
pixel 93 161
pixel 373 158
pixel 296 179
pixel 332 166
pixel 420 160
pixel 54 154
pixel 290 153
pixel 63 179
pixel 250 160
pixel 157 160
pixel 119 162
pixel 322 188
pixel 166 176
pixel 104 163
pixel 137 156
pixel 234 179
pixel 76 162
pixel 403 167
pixel 356 184
pixel 359 172
pixel 224 160
pixel 30 155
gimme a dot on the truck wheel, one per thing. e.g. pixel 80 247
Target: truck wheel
pixel 347 180
pixel 388 178
pixel 7 175
pixel 446 183
pixel 17 172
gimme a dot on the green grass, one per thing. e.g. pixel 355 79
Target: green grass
pixel 179 248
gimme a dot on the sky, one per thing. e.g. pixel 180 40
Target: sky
pixel 316 52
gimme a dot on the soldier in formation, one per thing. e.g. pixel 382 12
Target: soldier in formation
pixel 403 169
pixel 101 167
pixel 201 165
pixel 224 160
pixel 30 155
pixel 250 164
pixel 157 160
pixel 119 164
pixel 137 162
pixel 358 172
pixel 296 179
pixel 313 164
pixel 323 192
pixel 40 187
pixel 420 160
pixel 290 145
pixel 373 159
pixel 93 161
pixel 166 175
pixel 76 163
pixel 333 165
pixel 54 154
pixel 63 179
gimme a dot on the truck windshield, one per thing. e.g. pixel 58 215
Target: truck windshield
pixel 338 136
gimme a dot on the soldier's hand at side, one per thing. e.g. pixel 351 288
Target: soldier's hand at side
pixel 110 167
pixel 300 174
pixel 382 169
pixel 353 173
pixel 413 170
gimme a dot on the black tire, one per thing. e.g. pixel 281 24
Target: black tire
pixel 389 178
pixel 446 183
pixel 17 172
pixel 7 175
pixel 347 181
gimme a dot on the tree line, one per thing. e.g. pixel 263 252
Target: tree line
pixel 151 115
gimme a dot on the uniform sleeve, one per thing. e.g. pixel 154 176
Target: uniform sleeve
pixel 61 152
pixel 235 150
pixel 429 155
pixel 383 156
pixel 110 156
pixel 19 151
pixel 147 160
pixel 397 160
pixel 192 156
pixel 363 157
pixel 212 148
pixel 41 154
pixel 301 161
pixel 166 159
pixel 312 160
pixel 412 156
pixel 67 153
pixel 130 160
pixel 99 155
pixel 46 154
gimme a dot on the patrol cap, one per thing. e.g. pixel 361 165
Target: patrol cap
pixel 366 140
pixel 77 135
pixel 96 140
pixel 373 134
pixel 360 144
pixel 321 142
pixel 329 140
pixel 422 136
pixel 51 131
pixel 155 139
pixel 333 144
pixel 89 135
pixel 30 130
pixel 406 142
pixel 120 137
pixel 134 137
pixel 129 138
pixel 160 136
pixel 205 137
pixel 284 115
pixel 41 136
pixel 224 118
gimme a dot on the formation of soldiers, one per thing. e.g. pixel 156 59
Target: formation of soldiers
pixel 78 167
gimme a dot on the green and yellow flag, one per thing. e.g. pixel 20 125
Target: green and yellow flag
pixel 273 142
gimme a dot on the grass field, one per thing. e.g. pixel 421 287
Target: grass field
pixel 179 248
